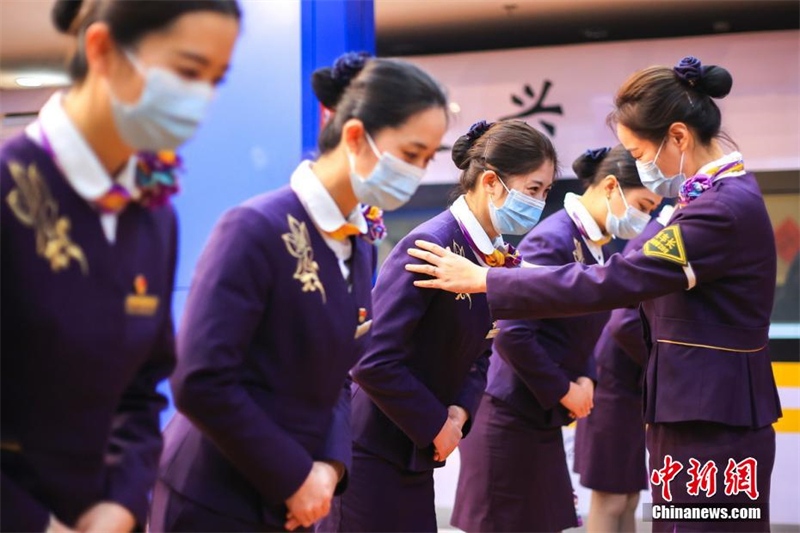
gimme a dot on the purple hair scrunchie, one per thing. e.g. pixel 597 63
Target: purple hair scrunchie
pixel 598 154
pixel 347 66
pixel 477 130
pixel 690 70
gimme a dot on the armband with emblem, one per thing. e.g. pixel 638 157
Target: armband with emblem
pixel 668 245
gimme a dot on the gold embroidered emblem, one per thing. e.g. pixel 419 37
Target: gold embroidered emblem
pixel 298 244
pixel 458 249
pixel 667 244
pixel 34 206
pixel 577 253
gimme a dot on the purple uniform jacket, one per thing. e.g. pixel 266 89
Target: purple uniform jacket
pixel 533 361
pixel 264 349
pixel 82 348
pixel 621 350
pixel 708 357
pixel 428 350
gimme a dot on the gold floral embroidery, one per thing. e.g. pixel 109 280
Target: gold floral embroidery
pixel 298 243
pixel 458 249
pixel 34 206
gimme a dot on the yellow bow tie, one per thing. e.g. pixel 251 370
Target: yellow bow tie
pixel 343 232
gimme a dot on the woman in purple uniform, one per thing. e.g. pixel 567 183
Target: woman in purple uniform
pixel 707 281
pixel 419 384
pixel 88 260
pixel 514 474
pixel 609 445
pixel 279 309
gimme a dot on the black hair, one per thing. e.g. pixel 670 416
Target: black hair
pixel 654 98
pixel 381 93
pixel 129 21
pixel 509 147
pixel 594 165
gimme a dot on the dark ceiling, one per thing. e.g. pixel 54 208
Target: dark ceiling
pixel 531 23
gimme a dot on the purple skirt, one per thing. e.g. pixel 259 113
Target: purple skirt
pixel 382 496
pixel 708 441
pixel 609 443
pixel 172 511
pixel 514 477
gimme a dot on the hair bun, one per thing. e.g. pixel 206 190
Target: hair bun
pixel 347 66
pixel 598 154
pixel 689 70
pixel 64 13
pixel 716 81
pixel 477 130
pixel 461 148
pixel 329 83
pixel 586 165
pixel 712 80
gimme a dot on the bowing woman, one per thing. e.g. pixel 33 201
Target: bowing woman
pixel 88 260
pixel 514 474
pixel 609 445
pixel 278 311
pixel 707 281
pixel 419 384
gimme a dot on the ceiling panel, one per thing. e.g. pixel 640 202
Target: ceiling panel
pixel 406 27
pixel 28 39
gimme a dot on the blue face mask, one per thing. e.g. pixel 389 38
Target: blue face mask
pixel 629 225
pixel 518 214
pixel 391 183
pixel 654 179
pixel 168 112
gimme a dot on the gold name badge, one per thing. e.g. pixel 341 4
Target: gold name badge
pixel 140 303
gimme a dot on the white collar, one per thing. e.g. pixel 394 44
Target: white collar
pixel 320 204
pixel 73 155
pixel 665 214
pixel 711 167
pixel 581 217
pixel 461 211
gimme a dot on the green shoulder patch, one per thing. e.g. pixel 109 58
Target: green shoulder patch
pixel 667 244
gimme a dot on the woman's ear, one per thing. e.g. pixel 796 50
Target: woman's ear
pixel 682 135
pixel 608 185
pixel 489 181
pixel 99 47
pixel 353 135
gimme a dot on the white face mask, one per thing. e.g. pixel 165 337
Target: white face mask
pixel 168 112
pixel 654 179
pixel 391 183
pixel 629 225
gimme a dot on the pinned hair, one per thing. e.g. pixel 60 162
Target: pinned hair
pixel 329 83
pixel 509 147
pixel 381 93
pixel 651 100
pixel 594 165
pixel 714 81
pixel 461 149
